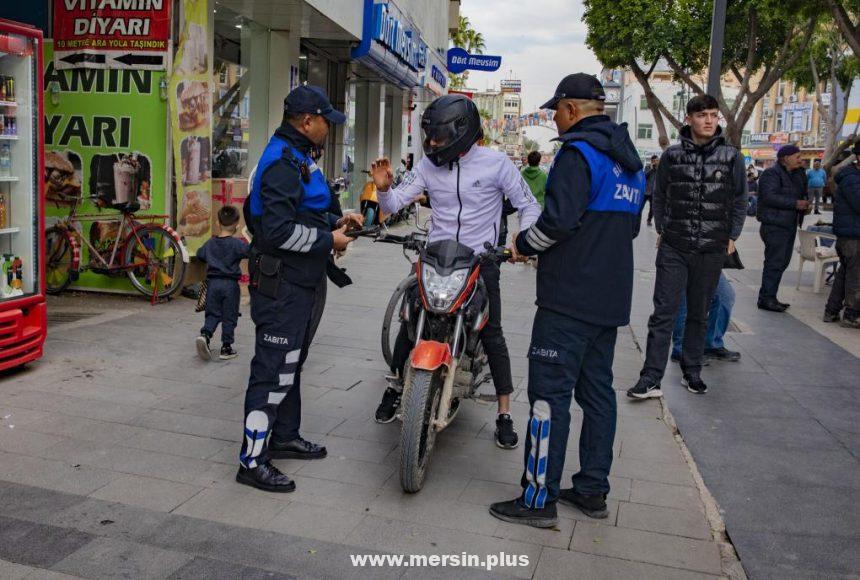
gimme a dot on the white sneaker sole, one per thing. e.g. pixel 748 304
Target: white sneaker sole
pixel 227 356
pixel 203 349
pixel 684 383
pixel 652 394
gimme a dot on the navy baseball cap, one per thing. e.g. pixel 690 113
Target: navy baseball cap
pixel 312 100
pixel 576 86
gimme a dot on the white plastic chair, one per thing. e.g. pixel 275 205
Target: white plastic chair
pixel 812 250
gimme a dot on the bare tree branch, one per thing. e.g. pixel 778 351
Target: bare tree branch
pixel 655 105
pixel 846 27
pixel 749 66
pixel 737 74
pixel 653 66
pixel 682 74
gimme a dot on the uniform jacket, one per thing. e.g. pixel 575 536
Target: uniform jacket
pixel 288 214
pixel 584 236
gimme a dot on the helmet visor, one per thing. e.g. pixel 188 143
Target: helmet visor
pixel 440 136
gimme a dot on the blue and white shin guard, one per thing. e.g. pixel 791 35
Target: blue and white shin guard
pixel 536 492
pixel 256 435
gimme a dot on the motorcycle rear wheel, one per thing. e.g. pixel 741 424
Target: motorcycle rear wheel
pixel 418 435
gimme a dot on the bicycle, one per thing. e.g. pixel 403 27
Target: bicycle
pixel 151 254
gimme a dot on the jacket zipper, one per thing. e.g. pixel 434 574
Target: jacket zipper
pixel 460 201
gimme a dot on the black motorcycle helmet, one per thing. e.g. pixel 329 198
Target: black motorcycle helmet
pixel 453 124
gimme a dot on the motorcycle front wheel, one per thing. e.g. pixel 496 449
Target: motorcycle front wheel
pixel 418 435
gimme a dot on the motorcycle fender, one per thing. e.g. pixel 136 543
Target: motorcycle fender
pixel 429 355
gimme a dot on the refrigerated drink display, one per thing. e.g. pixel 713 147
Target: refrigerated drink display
pixel 18 160
pixel 23 310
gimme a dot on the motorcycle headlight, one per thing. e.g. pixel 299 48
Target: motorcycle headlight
pixel 442 291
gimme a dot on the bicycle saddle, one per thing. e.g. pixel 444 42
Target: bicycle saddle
pixel 127 207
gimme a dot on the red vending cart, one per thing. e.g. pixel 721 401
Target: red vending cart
pixel 23 318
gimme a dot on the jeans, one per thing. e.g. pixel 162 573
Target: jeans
pixel 222 306
pixel 815 193
pixel 679 273
pixel 778 247
pixel 569 359
pixel 719 316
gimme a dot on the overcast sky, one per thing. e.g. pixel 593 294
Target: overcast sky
pixel 541 40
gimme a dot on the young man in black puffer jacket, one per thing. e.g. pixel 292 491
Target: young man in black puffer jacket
pixel 846 226
pixel 700 202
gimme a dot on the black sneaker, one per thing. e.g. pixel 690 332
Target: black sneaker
pixel 694 384
pixel 645 388
pixel 266 477
pixel 675 358
pixel 594 506
pixel 227 352
pixel 771 305
pixel 506 437
pixel 387 409
pixel 516 513
pixel 723 354
pixel 785 305
pixel 850 322
pixel 203 347
pixel 296 449
pixel 830 316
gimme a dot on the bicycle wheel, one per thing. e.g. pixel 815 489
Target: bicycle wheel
pixel 392 315
pixel 154 260
pixel 59 260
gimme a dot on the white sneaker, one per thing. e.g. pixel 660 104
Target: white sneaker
pixel 203 348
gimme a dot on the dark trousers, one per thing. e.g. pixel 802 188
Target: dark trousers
pixel 778 247
pixel 273 401
pixel 846 284
pixel 649 200
pixel 492 337
pixel 697 275
pixel 222 306
pixel 568 359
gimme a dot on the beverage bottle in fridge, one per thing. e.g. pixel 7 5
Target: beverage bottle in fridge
pixel 2 211
pixel 5 160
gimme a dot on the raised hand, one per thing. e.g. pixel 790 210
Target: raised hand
pixel 380 171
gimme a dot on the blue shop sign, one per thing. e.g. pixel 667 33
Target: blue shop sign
pixel 460 61
pixel 391 45
pixel 438 76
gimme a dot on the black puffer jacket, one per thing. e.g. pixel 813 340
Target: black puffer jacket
pixel 846 204
pixel 700 198
pixel 778 193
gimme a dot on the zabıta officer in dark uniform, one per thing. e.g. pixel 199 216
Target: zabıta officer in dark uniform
pixel 584 238
pixel 293 232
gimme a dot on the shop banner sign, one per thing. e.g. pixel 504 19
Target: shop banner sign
pixel 460 61
pixel 133 34
pixel 105 144
pixel 191 122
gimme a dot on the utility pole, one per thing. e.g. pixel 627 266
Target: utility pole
pixel 718 35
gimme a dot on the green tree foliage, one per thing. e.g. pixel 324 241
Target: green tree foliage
pixel 764 38
pixel 530 145
pixel 846 14
pixel 471 41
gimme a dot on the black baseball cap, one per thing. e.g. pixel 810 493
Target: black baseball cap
pixel 312 100
pixel 576 86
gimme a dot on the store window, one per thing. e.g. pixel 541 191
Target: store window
pixel 644 131
pixel 240 100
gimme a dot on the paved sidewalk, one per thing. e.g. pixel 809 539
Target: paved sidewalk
pixel 776 438
pixel 118 453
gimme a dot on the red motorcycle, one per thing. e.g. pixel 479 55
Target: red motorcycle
pixel 447 364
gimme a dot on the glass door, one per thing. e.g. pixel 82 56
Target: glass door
pixel 18 166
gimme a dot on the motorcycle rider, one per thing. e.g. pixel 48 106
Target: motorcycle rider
pixel 468 184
